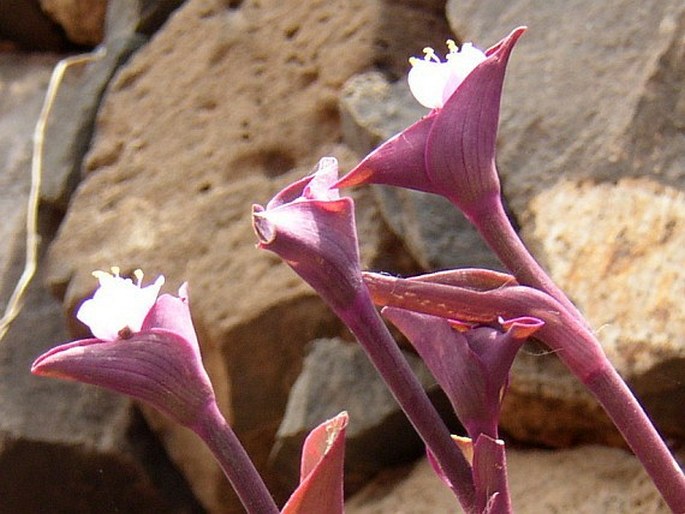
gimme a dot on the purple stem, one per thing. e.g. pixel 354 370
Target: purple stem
pixel 235 462
pixel 607 385
pixel 490 475
pixel 373 335
pixel 639 432
pixel 571 340
pixel 496 229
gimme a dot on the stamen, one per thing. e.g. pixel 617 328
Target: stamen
pixel 125 333
pixel 139 276
pixel 452 46
pixel 430 55
pixel 101 274
pixel 115 270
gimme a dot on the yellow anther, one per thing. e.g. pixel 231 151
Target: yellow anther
pixel 101 274
pixel 429 54
pixel 139 276
pixel 115 270
pixel 452 46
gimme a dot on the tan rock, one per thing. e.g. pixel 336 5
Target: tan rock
pixel 584 480
pixel 82 20
pixel 620 257
pixel 209 117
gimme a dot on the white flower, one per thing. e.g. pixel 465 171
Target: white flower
pixel 432 81
pixel 118 306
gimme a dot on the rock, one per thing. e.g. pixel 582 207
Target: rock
pixel 226 104
pixel 603 122
pixel 436 234
pixel 71 122
pixel 144 17
pixel 336 376
pixel 627 276
pixel 568 144
pixel 585 479
pixel 72 447
pixel 22 82
pixel 23 23
pixel 69 126
pixel 82 21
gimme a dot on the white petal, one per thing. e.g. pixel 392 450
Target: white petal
pixel 460 65
pixel 117 304
pixel 427 80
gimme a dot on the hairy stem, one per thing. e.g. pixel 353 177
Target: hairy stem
pixel 234 461
pixel 637 429
pixel 497 231
pixel 366 324
pixel 573 343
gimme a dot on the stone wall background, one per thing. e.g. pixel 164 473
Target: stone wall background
pixel 198 109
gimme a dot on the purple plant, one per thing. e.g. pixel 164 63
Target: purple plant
pixel 467 325
pixel 451 151
pixel 146 347
pixel 313 230
pixel 471 364
pixel 321 470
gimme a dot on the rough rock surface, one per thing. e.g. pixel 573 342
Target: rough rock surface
pixel 620 113
pixel 82 21
pixel 210 116
pixel 231 100
pixel 567 141
pixel 336 376
pixel 22 83
pixel 71 447
pixel 69 128
pixel 587 479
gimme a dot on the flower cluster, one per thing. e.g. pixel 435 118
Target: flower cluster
pixel 467 325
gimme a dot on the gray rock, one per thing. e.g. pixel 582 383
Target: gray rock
pixel 22 82
pixel 591 94
pixel 128 25
pixel 435 233
pixel 69 126
pixel 591 156
pixel 337 376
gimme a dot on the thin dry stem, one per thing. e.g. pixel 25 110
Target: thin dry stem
pixel 15 303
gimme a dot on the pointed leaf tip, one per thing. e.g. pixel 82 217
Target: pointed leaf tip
pixel 321 473
pixel 522 327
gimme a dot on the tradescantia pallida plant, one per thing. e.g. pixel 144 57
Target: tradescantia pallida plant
pixel 146 347
pixel 466 324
